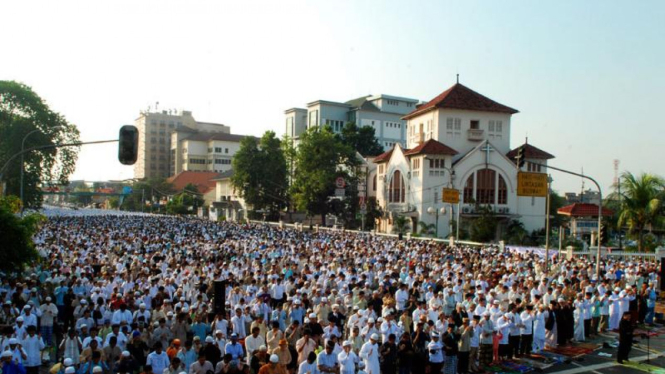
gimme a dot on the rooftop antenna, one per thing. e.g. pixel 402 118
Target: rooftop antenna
pixel 157 106
pixel 457 77
pixel 582 193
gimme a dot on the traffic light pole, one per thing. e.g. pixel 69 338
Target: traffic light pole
pixel 49 146
pixel 600 208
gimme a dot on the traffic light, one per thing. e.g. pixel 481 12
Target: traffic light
pixel 602 234
pixel 520 157
pixel 128 145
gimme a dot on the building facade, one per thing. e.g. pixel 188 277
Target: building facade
pixel 155 130
pixel 382 112
pixel 200 151
pixel 459 140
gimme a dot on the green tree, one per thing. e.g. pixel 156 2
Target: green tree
pixel 427 229
pixel 641 203
pixel 22 111
pixel 186 202
pixel 148 191
pixel 401 225
pixel 260 173
pixel 18 249
pixel 321 158
pixel 362 139
pixel 483 228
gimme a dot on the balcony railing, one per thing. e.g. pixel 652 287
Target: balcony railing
pixel 476 134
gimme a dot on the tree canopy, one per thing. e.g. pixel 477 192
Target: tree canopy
pixel 260 172
pixel 641 203
pixel 22 111
pixel 321 158
pixel 16 232
pixel 362 139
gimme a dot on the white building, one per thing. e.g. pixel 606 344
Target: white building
pixel 382 112
pixel 203 151
pixel 461 140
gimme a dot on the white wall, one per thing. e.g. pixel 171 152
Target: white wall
pixel 462 144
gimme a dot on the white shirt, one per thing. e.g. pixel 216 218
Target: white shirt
pixel 347 362
pixel 159 361
pixel 33 347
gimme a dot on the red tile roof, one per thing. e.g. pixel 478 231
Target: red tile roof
pixel 431 147
pixel 583 210
pixel 384 157
pixel 462 97
pixel 203 180
pixel 530 152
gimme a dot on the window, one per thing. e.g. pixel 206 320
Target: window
pixel 374 183
pixel 392 102
pixel 475 125
pixel 503 191
pixel 532 167
pixel 486 186
pixel 197 161
pixel 162 124
pixel 409 105
pixel 226 150
pixel 397 190
pixel 153 140
pixel 218 149
pixel 468 190
pixel 449 123
pixel 209 150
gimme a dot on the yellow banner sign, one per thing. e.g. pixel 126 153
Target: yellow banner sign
pixel 531 184
pixel 450 195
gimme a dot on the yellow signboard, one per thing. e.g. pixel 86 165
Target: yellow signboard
pixel 450 195
pixel 531 184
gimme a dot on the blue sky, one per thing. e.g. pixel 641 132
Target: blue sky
pixel 587 76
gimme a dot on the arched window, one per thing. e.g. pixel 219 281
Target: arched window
pixel 468 190
pixel 396 191
pixel 490 188
pixel 503 191
pixel 486 186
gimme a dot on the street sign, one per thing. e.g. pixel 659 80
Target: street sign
pixel 531 184
pixel 339 192
pixel 339 182
pixel 363 208
pixel 450 195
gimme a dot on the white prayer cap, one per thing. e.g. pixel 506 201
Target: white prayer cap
pixel 68 362
pixel 6 354
pixel 346 343
pixel 125 354
pixel 374 336
pixel 274 359
pixel 69 370
pixel 97 369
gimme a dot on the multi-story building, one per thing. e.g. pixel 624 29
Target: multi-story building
pixel 460 140
pixel 155 129
pixel 382 112
pixel 200 151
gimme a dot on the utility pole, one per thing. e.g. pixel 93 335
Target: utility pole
pixel 600 207
pixel 547 225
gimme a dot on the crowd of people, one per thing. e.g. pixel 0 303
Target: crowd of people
pixel 136 294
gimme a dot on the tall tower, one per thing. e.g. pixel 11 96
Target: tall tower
pixel 616 172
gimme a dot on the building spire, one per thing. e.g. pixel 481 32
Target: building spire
pixel 457 77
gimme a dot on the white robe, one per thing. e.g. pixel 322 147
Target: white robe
pixel 370 355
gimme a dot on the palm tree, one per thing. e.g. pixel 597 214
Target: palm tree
pixel 427 229
pixel 400 225
pixel 641 203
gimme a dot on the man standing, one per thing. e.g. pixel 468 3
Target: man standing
pixel 625 338
pixel 388 353
pixel 158 359
pixel 370 354
pixel 49 313
pixel 326 361
pixel 33 345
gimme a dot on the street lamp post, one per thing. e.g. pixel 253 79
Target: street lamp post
pixel 435 212
pixel 23 164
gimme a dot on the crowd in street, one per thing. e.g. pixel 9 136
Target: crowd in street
pixel 136 294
